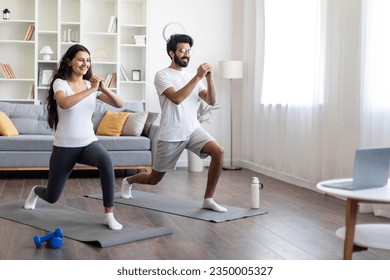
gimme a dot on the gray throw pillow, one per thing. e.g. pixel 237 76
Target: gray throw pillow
pixel 152 117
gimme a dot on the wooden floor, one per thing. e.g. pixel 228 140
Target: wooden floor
pixel 300 225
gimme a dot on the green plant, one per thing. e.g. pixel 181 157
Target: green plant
pixel 205 111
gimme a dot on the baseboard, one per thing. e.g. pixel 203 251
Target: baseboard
pixel 278 175
pixel 263 170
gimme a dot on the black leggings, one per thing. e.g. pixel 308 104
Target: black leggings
pixel 62 161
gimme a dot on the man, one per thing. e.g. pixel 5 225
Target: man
pixel 179 96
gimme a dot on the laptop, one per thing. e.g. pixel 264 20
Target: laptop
pixel 370 170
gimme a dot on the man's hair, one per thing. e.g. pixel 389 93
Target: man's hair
pixel 176 39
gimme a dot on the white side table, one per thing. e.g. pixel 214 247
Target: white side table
pixel 365 235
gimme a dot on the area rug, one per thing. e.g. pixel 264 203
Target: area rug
pixel 77 224
pixel 182 207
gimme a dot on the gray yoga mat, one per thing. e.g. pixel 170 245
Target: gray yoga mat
pixel 182 207
pixel 77 224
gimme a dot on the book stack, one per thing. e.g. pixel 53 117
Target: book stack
pixel 29 33
pixel 110 80
pixel 7 71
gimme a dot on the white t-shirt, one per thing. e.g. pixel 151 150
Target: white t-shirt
pixel 75 128
pixel 177 121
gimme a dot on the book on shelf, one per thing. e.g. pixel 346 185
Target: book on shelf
pixel 29 33
pixel 113 80
pixel 7 71
pixel 4 71
pixel 124 74
pixel 107 80
pixel 31 93
pixel 26 33
pixel 110 80
pixel 10 71
pixel 112 26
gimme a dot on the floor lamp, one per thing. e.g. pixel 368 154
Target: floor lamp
pixel 233 69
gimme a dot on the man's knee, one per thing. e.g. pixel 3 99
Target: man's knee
pixel 217 151
pixel 155 177
pixel 213 149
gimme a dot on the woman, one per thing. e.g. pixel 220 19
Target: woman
pixel 71 103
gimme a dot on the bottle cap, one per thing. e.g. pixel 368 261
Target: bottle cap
pixel 255 180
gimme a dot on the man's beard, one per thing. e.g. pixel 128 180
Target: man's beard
pixel 181 63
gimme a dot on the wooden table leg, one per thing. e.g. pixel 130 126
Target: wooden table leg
pixel 350 223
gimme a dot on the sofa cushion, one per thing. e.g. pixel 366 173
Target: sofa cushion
pixel 112 123
pixel 45 143
pixel 20 159
pixel 125 143
pixel 28 119
pixel 26 142
pixel 6 126
pixel 134 124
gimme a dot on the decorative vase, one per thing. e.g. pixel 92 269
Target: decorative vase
pixel 195 163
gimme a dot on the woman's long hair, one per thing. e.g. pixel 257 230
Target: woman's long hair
pixel 64 72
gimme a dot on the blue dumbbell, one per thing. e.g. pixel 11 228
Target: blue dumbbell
pixel 54 239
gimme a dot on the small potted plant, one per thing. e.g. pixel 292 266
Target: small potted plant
pixel 205 112
pixel 195 163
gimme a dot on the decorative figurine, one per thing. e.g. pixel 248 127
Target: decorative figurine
pixel 6 14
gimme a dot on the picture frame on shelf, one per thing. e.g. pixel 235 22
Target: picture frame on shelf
pixel 136 75
pixel 45 76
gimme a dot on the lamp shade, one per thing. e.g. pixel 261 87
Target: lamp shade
pixel 232 69
pixel 46 50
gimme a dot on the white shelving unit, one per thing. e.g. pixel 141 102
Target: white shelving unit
pixel 61 23
pixel 132 22
pixel 16 52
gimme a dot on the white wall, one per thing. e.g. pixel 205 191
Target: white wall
pixel 211 23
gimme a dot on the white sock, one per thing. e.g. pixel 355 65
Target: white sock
pixel 111 222
pixel 31 200
pixel 126 189
pixel 209 203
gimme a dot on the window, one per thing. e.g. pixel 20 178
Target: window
pixel 376 64
pixel 293 52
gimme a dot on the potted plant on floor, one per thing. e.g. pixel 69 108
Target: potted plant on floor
pixel 195 163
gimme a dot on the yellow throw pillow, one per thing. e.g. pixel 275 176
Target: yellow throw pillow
pixel 6 126
pixel 112 123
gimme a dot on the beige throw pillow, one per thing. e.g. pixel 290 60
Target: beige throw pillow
pixel 134 124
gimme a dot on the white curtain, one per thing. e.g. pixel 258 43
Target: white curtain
pixel 375 81
pixel 303 142
pixel 286 133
